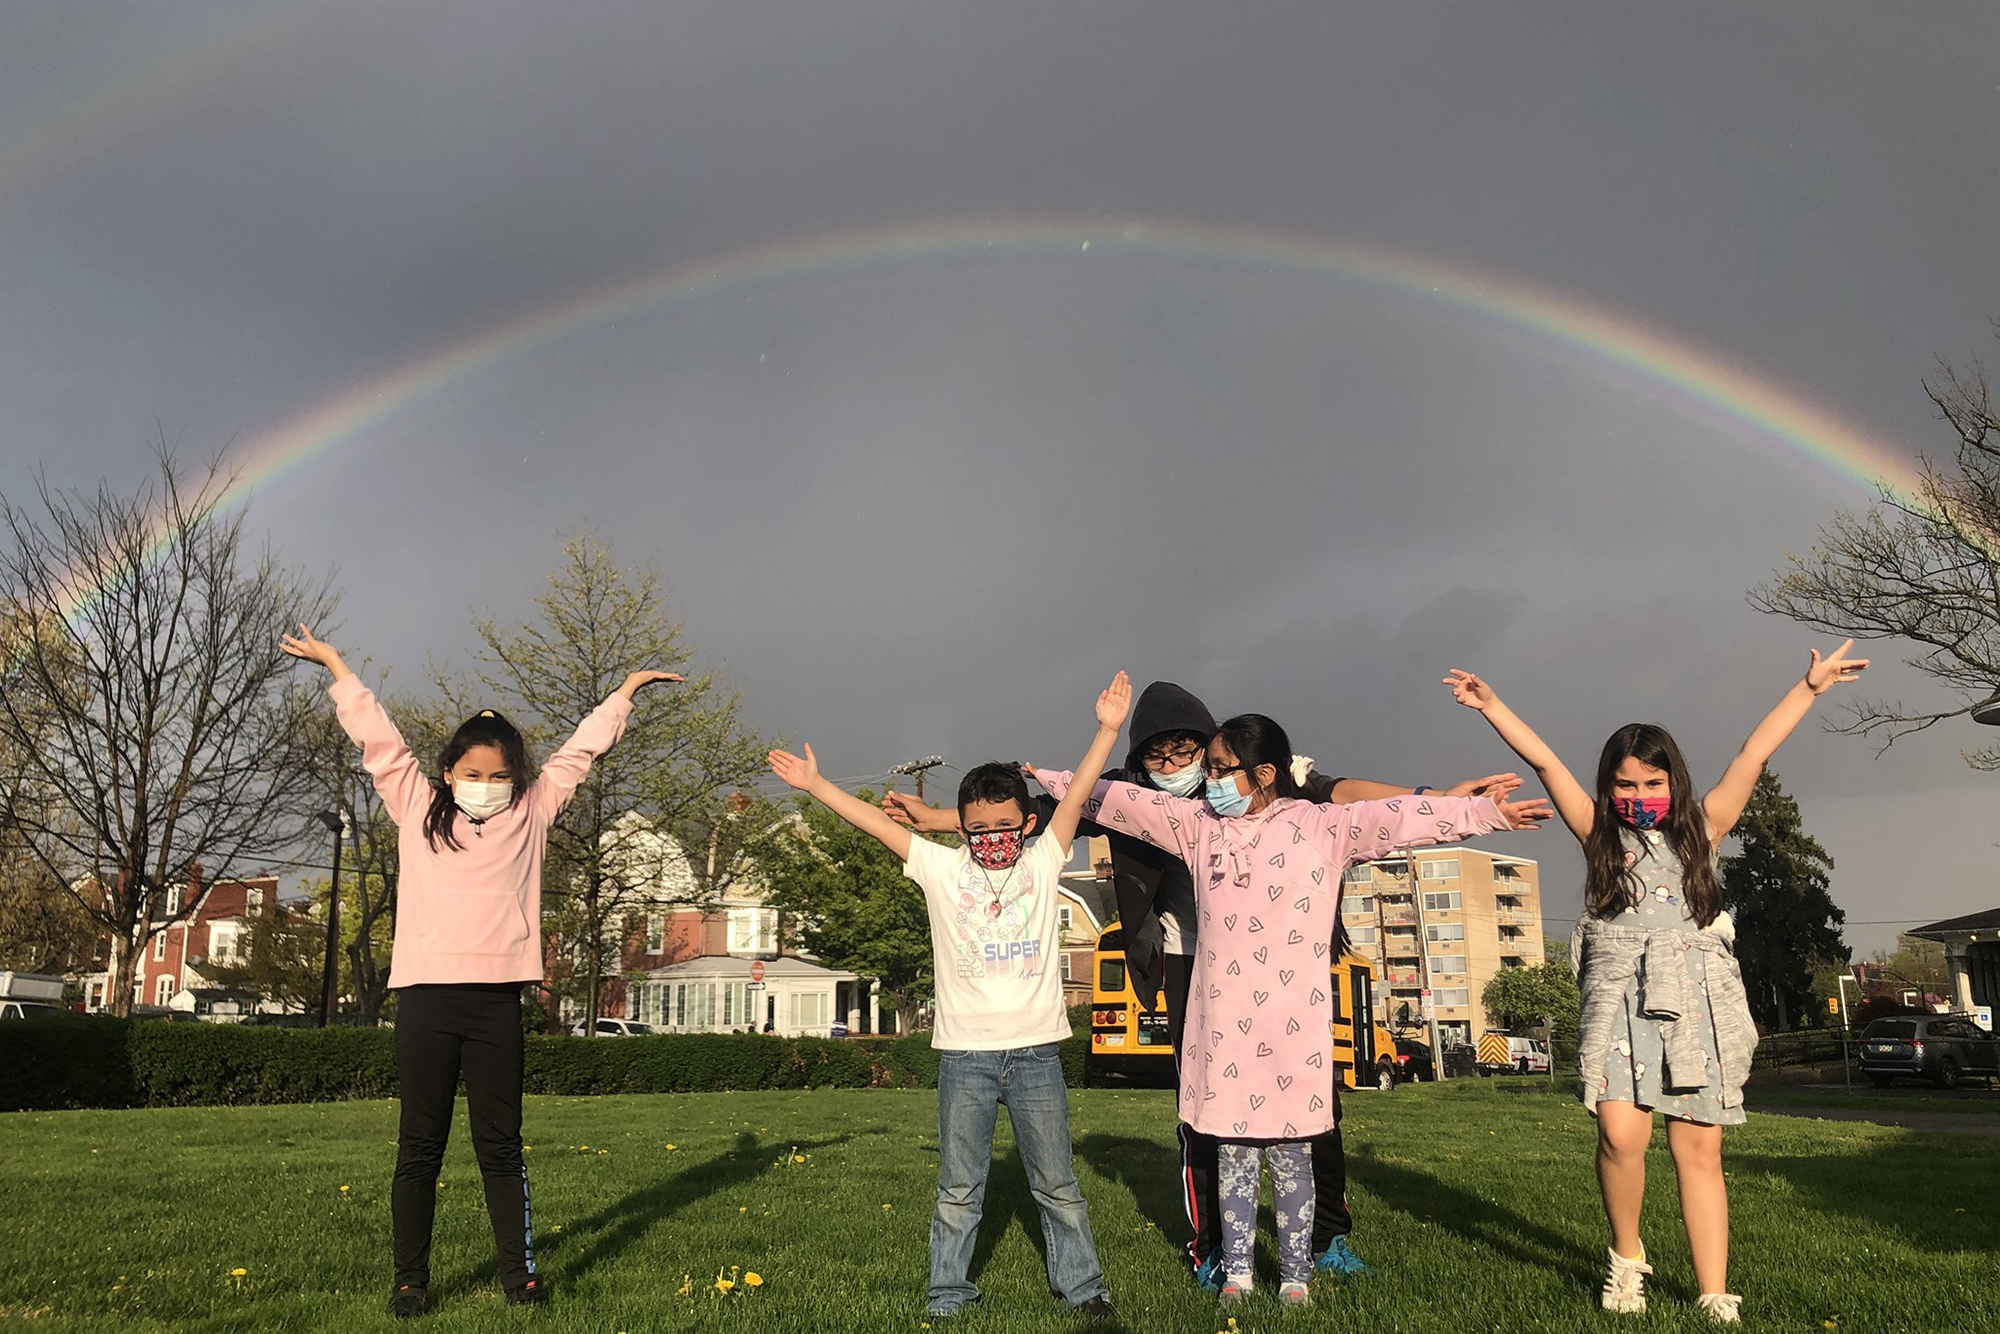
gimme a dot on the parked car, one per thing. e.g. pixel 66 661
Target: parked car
pixel 1461 1060
pixel 1413 1061
pixel 1943 1048
pixel 15 1009
pixel 612 1028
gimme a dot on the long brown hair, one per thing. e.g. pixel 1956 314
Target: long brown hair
pixel 1609 885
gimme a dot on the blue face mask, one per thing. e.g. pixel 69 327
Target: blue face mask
pixel 1183 784
pixel 1224 799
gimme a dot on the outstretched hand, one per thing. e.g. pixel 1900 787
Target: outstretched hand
pixel 1836 669
pixel 1496 786
pixel 1469 690
pixel 303 645
pixel 1526 814
pixel 638 680
pixel 913 812
pixel 797 772
pixel 1115 702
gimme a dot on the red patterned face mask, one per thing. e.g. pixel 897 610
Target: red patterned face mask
pixel 996 849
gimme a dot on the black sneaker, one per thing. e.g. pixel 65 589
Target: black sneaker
pixel 532 1293
pixel 1097 1308
pixel 409 1301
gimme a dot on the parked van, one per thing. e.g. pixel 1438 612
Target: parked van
pixel 1506 1054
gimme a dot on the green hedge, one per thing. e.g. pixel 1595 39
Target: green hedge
pixel 103 1062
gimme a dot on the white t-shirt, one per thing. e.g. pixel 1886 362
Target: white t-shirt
pixel 994 941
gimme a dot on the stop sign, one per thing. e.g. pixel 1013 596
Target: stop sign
pixel 757 971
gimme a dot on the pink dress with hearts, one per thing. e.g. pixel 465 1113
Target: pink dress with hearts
pixel 1260 1012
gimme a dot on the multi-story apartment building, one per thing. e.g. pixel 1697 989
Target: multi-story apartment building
pixel 1464 915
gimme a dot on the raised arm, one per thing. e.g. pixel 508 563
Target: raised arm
pixel 1575 805
pixel 399 780
pixel 1112 705
pixel 1725 801
pixel 1345 791
pixel 597 733
pixel 1369 829
pixel 802 772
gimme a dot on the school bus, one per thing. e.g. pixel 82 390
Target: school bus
pixel 1126 1039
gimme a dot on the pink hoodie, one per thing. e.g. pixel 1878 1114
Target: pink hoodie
pixel 474 915
pixel 1259 1010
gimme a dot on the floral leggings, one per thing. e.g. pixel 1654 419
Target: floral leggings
pixel 1237 1173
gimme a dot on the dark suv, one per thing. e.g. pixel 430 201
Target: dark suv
pixel 1943 1048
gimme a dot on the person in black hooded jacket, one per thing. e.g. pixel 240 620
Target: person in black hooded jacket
pixel 1170 730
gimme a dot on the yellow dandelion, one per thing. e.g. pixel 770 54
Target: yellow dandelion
pixel 687 1286
pixel 742 1208
pixel 753 1280
pixel 723 1285
pixel 798 1157
pixel 557 1228
pixel 885 1208
pixel 673 1146
pixel 238 1273
pixel 343 1190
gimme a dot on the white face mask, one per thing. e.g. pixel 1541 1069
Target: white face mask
pixel 1183 784
pixel 482 801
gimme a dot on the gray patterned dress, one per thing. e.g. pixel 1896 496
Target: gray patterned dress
pixel 1633 1064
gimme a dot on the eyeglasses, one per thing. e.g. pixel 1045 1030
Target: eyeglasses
pixel 1178 756
pixel 1214 772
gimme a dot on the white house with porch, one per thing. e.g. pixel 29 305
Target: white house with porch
pixel 719 993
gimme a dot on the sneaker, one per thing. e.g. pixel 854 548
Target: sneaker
pixel 1208 1274
pixel 1340 1259
pixel 1721 1307
pixel 1097 1308
pixel 532 1293
pixel 1294 1294
pixel 1234 1291
pixel 1625 1284
pixel 409 1301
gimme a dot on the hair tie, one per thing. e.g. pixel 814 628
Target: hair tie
pixel 484 713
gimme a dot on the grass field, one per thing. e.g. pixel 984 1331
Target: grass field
pixel 1476 1199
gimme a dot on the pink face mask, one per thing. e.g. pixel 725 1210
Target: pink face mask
pixel 996 849
pixel 1641 812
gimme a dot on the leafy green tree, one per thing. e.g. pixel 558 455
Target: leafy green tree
pixel 281 957
pixel 1775 886
pixel 844 899
pixel 616 849
pixel 1520 998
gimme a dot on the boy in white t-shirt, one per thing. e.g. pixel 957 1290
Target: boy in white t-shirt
pixel 999 1003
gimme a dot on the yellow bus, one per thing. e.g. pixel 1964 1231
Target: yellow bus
pixel 1128 1040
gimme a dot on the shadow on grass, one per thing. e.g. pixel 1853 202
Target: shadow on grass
pixel 1906 1185
pixel 1146 1168
pixel 1480 1221
pixel 1009 1200
pixel 606 1234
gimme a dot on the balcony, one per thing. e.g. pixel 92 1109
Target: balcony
pixel 1404 977
pixel 1403 915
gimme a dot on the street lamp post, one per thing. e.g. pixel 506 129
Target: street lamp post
pixel 336 824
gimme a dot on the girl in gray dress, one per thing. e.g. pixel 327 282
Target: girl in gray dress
pixel 1665 1026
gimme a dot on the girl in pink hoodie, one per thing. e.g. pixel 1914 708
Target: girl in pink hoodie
pixel 468 937
pixel 1267 868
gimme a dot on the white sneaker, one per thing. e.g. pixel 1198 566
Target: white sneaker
pixel 1294 1294
pixel 1721 1307
pixel 1625 1284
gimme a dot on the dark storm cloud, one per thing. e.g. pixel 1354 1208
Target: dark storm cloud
pixel 932 505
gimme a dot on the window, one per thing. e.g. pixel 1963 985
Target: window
pixel 253 899
pixel 1062 918
pixel 1111 975
pixel 1452 998
pixel 1363 935
pixel 1062 965
pixel 222 944
pixel 735 1004
pixel 1448 931
pixel 1443 901
pixel 809 1010
pixel 753 931
pixel 163 990
pixel 1445 868
pixel 1359 905
pixel 159 947
pixel 1447 963
pixel 680 1006
pixel 1360 875
pixel 174 900
pixel 656 932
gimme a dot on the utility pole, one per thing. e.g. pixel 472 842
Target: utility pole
pixel 1424 961
pixel 918 768
pixel 336 824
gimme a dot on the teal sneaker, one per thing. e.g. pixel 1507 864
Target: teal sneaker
pixel 1208 1274
pixel 1340 1259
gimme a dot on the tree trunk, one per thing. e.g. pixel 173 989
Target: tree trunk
pixel 118 985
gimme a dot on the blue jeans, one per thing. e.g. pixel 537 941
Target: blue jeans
pixel 971 1087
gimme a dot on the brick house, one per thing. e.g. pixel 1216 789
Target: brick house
pixel 168 971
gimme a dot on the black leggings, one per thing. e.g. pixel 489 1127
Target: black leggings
pixel 1198 1171
pixel 472 1028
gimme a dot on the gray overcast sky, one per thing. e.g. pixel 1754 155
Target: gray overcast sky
pixel 931 503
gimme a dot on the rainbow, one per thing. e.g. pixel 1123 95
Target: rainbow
pixel 1611 339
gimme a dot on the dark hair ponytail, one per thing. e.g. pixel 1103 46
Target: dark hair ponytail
pixel 1256 741
pixel 1609 885
pixel 485 728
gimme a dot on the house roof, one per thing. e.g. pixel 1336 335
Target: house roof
pixel 732 968
pixel 1096 896
pixel 1988 920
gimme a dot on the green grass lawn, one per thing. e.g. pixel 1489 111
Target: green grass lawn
pixel 1476 1199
